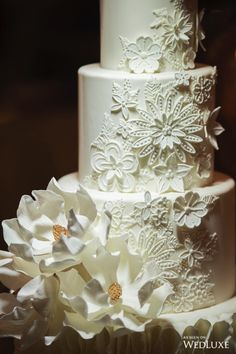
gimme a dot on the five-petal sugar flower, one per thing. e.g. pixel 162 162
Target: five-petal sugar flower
pixel 143 56
pixel 115 168
pixel 51 229
pixel 171 175
pixel 193 253
pixel 190 209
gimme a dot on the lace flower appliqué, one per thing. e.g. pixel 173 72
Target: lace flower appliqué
pixel 202 90
pixel 125 99
pixel 114 168
pixel 170 125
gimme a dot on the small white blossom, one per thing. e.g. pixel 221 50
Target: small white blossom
pixel 143 56
pixel 189 210
pixel 192 253
pixel 182 79
pixel 183 299
pixel 171 175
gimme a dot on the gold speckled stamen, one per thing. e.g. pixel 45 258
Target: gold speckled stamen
pixel 59 230
pixel 115 292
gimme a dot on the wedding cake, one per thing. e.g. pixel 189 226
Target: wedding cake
pixel 147 137
pixel 144 235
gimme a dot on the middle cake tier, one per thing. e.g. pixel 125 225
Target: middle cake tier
pixel 152 132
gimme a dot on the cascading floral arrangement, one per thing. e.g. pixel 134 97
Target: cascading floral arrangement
pixel 63 270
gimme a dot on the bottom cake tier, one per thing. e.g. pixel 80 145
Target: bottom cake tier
pixel 190 237
pixel 211 330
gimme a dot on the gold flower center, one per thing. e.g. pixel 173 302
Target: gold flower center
pixel 59 230
pixel 115 292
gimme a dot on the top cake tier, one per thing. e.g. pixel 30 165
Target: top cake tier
pixel 149 35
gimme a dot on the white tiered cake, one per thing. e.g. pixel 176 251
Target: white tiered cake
pixel 148 242
pixel 147 138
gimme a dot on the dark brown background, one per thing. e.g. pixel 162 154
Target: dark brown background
pixel 42 44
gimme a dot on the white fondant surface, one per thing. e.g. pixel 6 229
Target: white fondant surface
pixel 130 19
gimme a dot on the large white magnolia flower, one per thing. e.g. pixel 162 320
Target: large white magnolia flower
pixel 115 168
pixel 34 314
pixel 118 293
pixel 51 229
pixel 171 125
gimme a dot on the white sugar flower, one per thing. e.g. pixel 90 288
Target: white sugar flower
pixel 171 124
pixel 176 28
pixel 192 253
pixel 189 210
pixel 203 160
pixel 9 276
pixel 183 299
pixel 35 313
pixel 212 127
pixel 202 90
pixel 143 56
pixel 202 286
pixel 115 168
pixel 118 289
pixel 188 59
pixel 171 175
pixel 125 99
pixel 154 211
pixel 182 79
pixel 51 229
pixel 123 129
